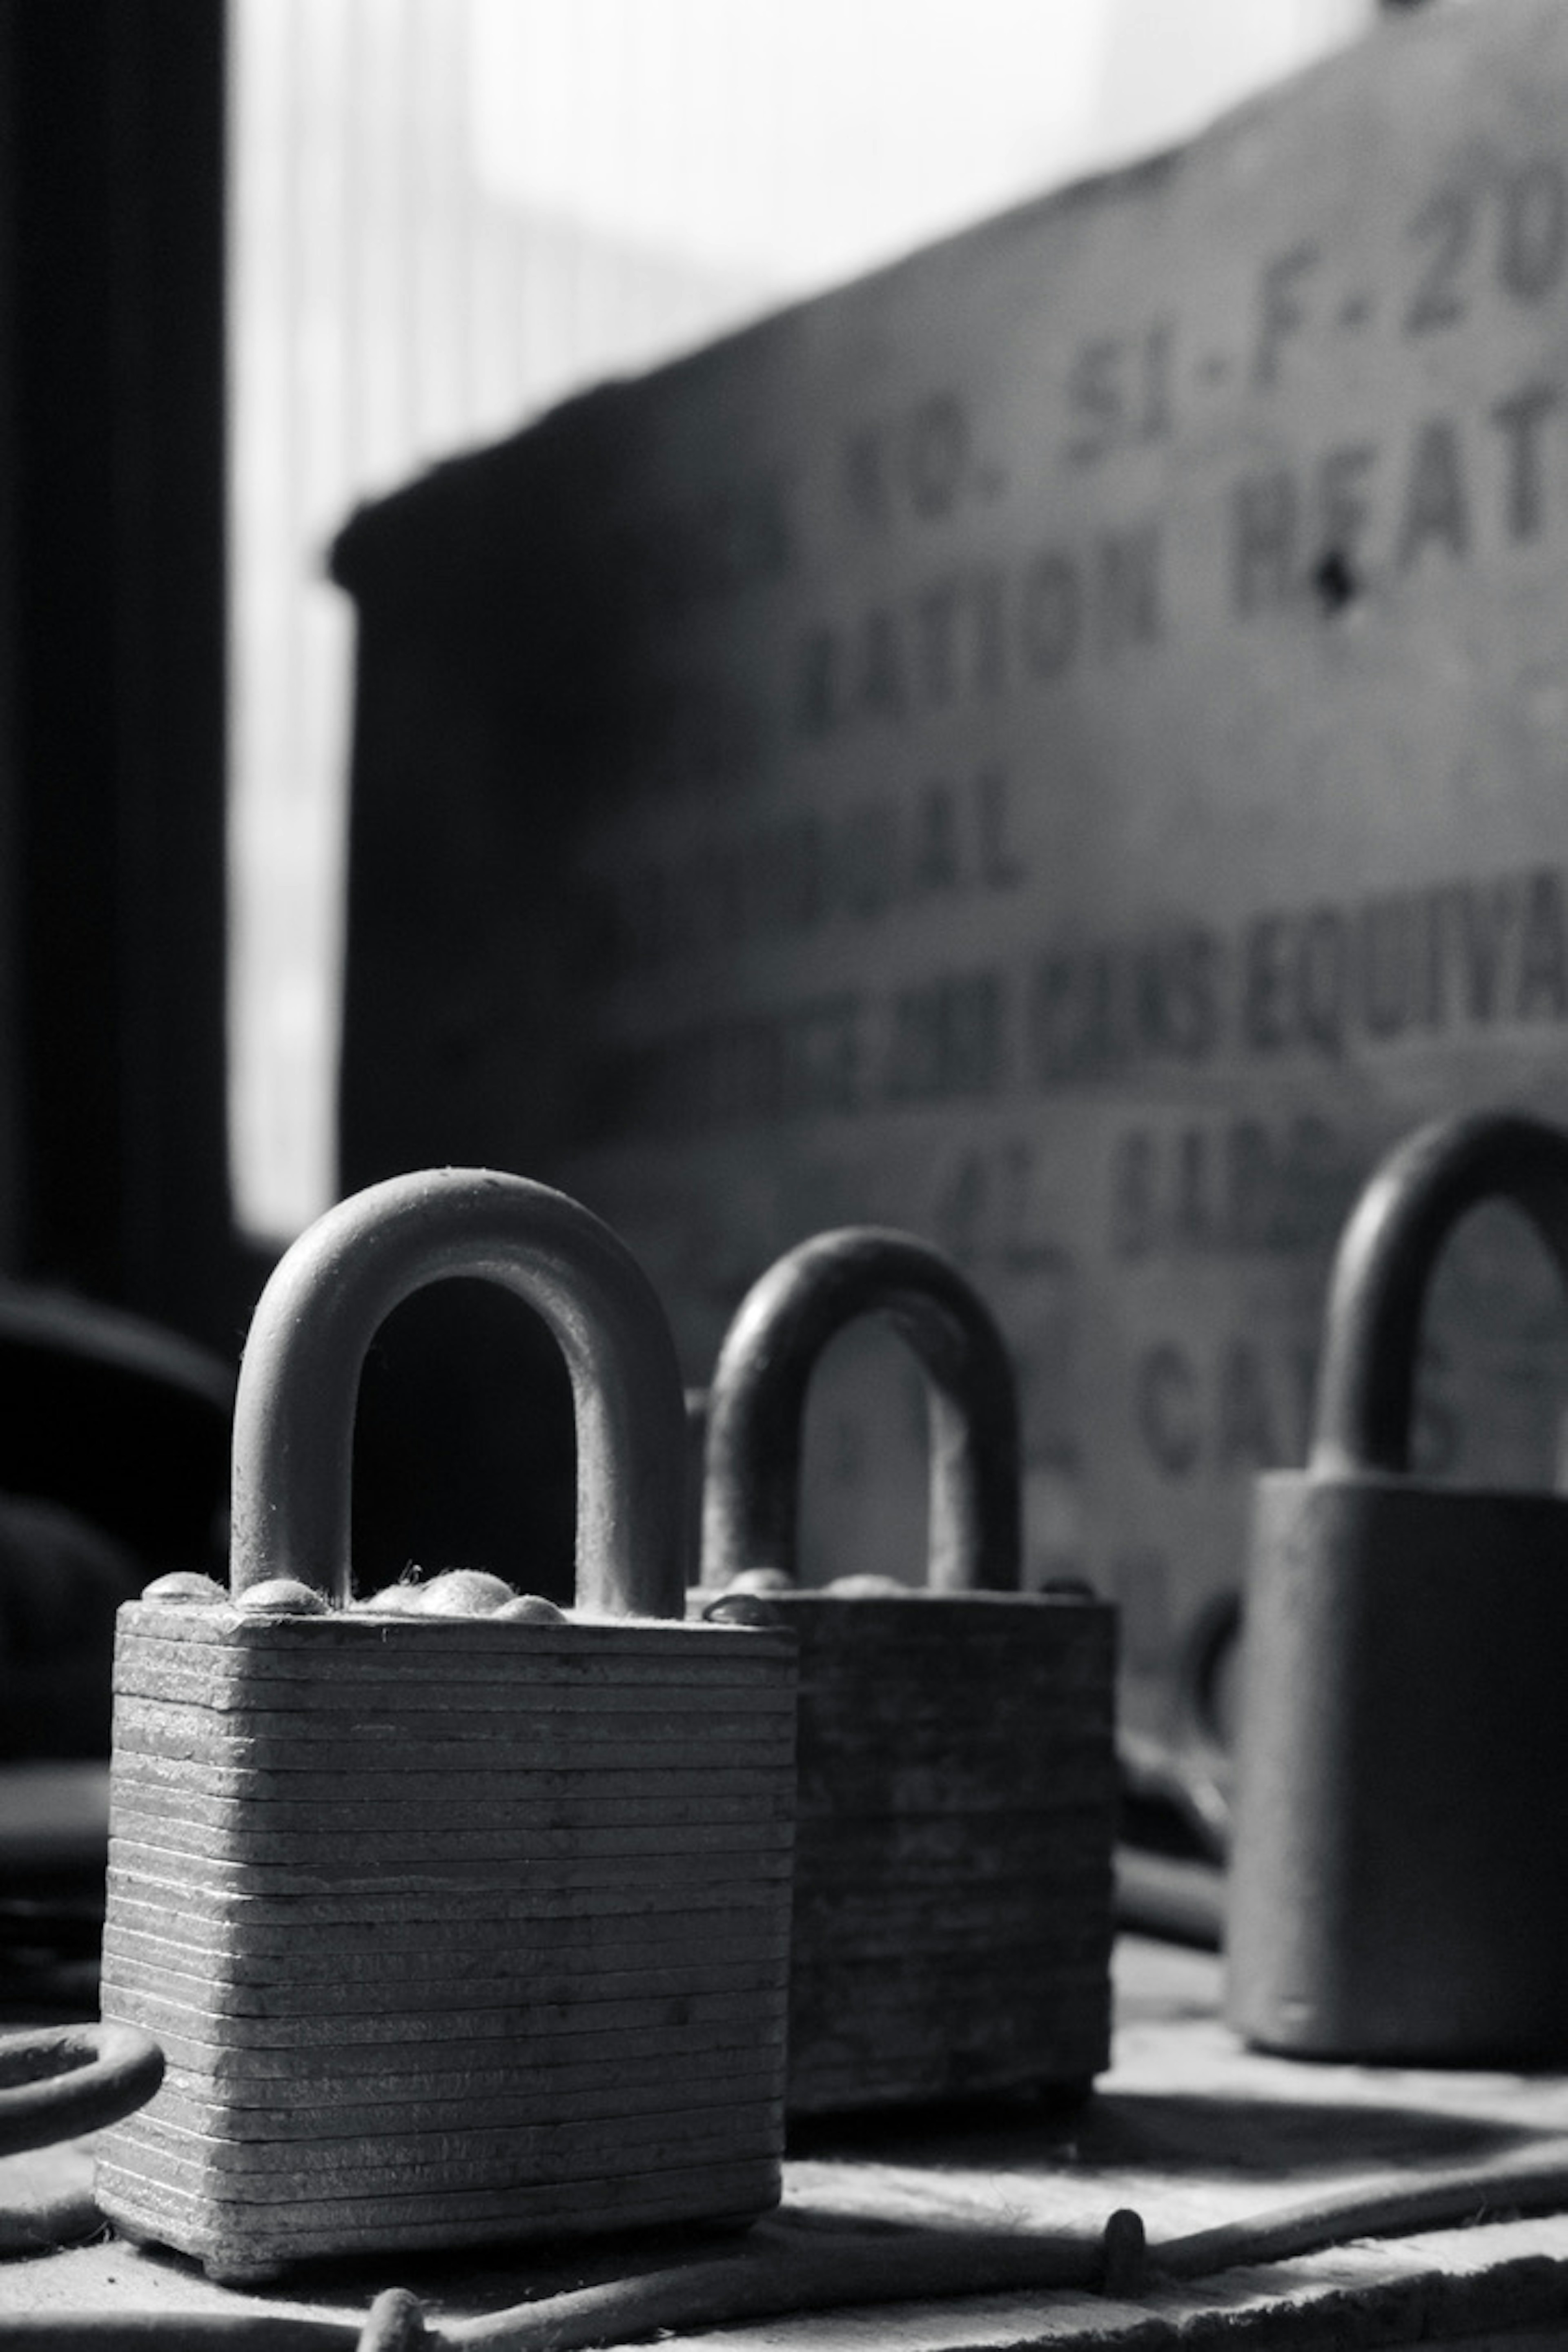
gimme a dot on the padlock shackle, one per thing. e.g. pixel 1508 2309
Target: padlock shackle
pixel 298 1380
pixel 757 1405
pixel 1385 1259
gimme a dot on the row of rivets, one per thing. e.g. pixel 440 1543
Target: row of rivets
pixel 461 1592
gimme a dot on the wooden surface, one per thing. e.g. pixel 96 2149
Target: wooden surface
pixel 1187 2128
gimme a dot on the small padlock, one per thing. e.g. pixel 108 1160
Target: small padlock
pixel 957 1775
pixel 1396 1892
pixel 452 1928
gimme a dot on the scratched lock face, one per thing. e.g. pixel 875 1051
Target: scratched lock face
pixel 1085 775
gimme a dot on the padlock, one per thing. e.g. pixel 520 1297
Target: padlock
pixel 957 1776
pixel 452 1928
pixel 1403 1751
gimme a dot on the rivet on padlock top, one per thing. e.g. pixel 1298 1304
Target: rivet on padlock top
pixel 957 1782
pixel 1396 1890
pixel 452 1929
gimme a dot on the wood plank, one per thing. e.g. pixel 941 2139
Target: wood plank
pixel 1190 2127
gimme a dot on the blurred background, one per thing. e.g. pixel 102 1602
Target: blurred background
pixel 262 262
pixel 446 215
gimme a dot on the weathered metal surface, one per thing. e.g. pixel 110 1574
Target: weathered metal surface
pixel 957 1774
pixel 1404 1744
pixel 65 2079
pixel 1058 746
pixel 458 1917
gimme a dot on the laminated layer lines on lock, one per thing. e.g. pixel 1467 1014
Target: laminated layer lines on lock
pixel 452 1928
pixel 957 1763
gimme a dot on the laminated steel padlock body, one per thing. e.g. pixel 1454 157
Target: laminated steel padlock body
pixel 1402 1756
pixel 452 1929
pixel 957 1779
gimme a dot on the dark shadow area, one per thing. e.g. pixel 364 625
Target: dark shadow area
pixel 1174 2133
pixel 1281 2139
pixel 465 1454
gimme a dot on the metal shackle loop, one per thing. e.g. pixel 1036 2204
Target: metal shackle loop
pixel 61 2081
pixel 298 1382
pixel 756 1405
pixel 1384 1262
